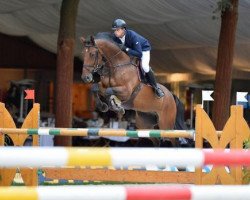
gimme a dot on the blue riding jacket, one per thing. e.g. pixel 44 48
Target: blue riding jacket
pixel 135 42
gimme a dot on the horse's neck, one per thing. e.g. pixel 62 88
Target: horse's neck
pixel 112 53
pixel 117 58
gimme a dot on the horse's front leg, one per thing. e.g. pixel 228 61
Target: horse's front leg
pixel 102 106
pixel 116 96
pixel 121 92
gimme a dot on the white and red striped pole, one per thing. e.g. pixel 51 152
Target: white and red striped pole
pixel 117 157
pixel 126 192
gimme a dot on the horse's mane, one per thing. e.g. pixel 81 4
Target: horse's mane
pixel 106 36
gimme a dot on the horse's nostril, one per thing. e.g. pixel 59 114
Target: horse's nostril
pixel 87 79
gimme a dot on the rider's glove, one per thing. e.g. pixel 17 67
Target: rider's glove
pixel 124 48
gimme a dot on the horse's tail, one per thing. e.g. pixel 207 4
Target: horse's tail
pixel 179 121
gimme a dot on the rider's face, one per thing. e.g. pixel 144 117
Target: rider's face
pixel 120 32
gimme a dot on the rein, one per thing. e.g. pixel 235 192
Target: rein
pixel 95 65
pixel 105 60
pixel 99 67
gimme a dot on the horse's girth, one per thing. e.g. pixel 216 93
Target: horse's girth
pixel 130 102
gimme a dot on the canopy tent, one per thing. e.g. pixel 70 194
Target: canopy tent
pixel 183 35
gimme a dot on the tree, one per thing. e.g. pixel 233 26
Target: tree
pixel 65 68
pixel 223 78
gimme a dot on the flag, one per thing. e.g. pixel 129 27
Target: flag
pixel 206 96
pixel 30 94
pixel 241 97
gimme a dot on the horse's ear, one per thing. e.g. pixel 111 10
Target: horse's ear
pixel 82 39
pixel 92 39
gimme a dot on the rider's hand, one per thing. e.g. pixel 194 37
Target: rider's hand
pixel 124 48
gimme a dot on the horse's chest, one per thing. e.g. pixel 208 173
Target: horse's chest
pixel 111 81
pixel 107 82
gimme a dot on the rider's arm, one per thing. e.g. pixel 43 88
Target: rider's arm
pixel 136 50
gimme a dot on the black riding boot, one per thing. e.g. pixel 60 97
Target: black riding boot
pixel 151 80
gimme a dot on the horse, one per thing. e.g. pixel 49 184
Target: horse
pixel 119 80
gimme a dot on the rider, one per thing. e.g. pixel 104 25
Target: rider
pixel 136 45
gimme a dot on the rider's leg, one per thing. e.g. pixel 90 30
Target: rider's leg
pixel 149 73
pixel 151 79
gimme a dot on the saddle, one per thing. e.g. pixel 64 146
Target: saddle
pixel 141 74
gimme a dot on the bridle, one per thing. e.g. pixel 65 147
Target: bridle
pixel 106 64
pixel 98 66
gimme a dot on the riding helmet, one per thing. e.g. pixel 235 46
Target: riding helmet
pixel 119 23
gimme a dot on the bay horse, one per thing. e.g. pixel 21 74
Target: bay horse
pixel 119 77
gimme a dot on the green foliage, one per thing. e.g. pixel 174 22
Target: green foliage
pixel 246 170
pixel 222 6
pixel 246 144
pixel 246 176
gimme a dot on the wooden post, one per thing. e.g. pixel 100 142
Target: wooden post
pixel 6 121
pixel 223 78
pixel 29 176
pixel 64 71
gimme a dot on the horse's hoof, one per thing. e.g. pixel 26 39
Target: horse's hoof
pixel 109 91
pixel 121 111
pixel 95 88
pixel 104 107
pixel 115 101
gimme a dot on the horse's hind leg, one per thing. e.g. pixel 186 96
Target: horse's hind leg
pixel 167 121
pixel 146 121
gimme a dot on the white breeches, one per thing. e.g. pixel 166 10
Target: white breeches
pixel 145 61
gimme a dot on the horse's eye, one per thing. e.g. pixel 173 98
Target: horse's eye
pixel 92 55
